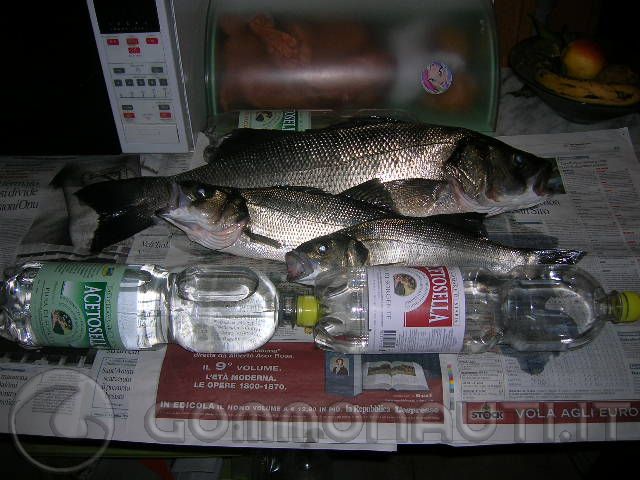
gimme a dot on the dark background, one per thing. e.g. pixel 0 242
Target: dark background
pixel 54 100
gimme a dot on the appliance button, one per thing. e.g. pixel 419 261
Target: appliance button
pixel 117 82
pixel 151 82
pixel 128 82
pixel 134 50
pixel 157 70
pixel 113 42
pixel 129 115
pixel 164 106
pixel 165 114
pixel 132 41
pixel 140 82
pixel 127 107
pixel 152 40
pixel 118 70
pixel 163 82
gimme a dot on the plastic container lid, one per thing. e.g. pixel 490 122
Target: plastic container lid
pixel 630 303
pixel 308 311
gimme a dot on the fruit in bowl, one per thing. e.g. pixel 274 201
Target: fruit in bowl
pixel 585 76
pixel 583 59
pixel 613 91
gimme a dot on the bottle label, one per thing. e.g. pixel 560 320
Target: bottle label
pixel 75 305
pixel 415 309
pixel 292 120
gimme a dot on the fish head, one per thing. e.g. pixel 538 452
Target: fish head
pixel 334 251
pixel 489 176
pixel 212 216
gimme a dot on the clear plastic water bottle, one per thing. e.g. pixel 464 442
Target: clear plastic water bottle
pixel 537 308
pixel 202 308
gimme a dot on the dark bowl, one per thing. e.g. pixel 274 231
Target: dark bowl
pixel 524 58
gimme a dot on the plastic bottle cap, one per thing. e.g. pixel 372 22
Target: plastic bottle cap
pixel 308 308
pixel 630 307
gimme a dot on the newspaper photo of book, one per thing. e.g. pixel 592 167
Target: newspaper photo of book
pixel 397 375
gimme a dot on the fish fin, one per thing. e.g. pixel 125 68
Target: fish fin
pixel 113 228
pixel 124 207
pixel 303 189
pixel 553 256
pixel 256 237
pixel 237 141
pixel 115 195
pixel 372 191
pixel 470 222
pixel 399 196
pixel 358 121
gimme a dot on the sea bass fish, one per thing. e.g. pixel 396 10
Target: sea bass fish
pixel 261 223
pixel 411 241
pixel 410 168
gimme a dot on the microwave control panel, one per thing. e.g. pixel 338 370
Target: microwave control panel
pixel 144 81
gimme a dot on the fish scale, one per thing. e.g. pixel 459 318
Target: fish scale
pixel 280 218
pixel 407 168
pixel 411 241
pixel 418 242
pixel 334 159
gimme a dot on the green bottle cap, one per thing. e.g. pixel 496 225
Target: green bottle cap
pixel 308 311
pixel 630 307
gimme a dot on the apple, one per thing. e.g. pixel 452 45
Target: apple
pixel 583 58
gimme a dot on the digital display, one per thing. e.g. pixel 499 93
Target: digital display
pixel 126 16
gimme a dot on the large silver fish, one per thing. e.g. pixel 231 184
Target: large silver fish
pixel 411 168
pixel 261 223
pixel 411 241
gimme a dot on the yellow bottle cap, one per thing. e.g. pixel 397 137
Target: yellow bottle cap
pixel 630 307
pixel 308 311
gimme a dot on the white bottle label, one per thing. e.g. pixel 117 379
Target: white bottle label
pixel 287 120
pixel 415 309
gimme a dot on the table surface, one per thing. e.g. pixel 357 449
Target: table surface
pixel 520 115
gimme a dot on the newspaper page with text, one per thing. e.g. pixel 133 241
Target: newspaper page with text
pixel 291 394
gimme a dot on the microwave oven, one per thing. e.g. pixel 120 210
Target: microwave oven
pixel 152 58
pixel 171 66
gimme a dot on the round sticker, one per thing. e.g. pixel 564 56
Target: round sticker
pixel 436 78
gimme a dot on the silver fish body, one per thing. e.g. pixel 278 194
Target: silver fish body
pixel 262 222
pixel 409 168
pixel 411 241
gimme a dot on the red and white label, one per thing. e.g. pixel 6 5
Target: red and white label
pixel 415 309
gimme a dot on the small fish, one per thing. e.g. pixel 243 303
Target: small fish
pixel 411 241
pixel 261 223
pixel 409 168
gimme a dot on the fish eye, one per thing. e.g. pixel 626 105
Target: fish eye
pixel 518 160
pixel 201 192
pixel 322 249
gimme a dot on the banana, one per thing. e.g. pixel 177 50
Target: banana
pixel 589 91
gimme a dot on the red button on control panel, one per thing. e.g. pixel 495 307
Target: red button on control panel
pixel 165 114
pixel 113 41
pixel 132 41
pixel 128 115
pixel 134 50
pixel 152 41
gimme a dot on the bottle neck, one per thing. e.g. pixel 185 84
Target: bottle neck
pixel 287 309
pixel 621 307
pixel 298 310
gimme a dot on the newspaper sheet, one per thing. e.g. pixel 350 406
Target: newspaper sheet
pixel 289 393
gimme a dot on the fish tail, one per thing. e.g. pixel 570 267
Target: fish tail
pixel 124 207
pixel 558 256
